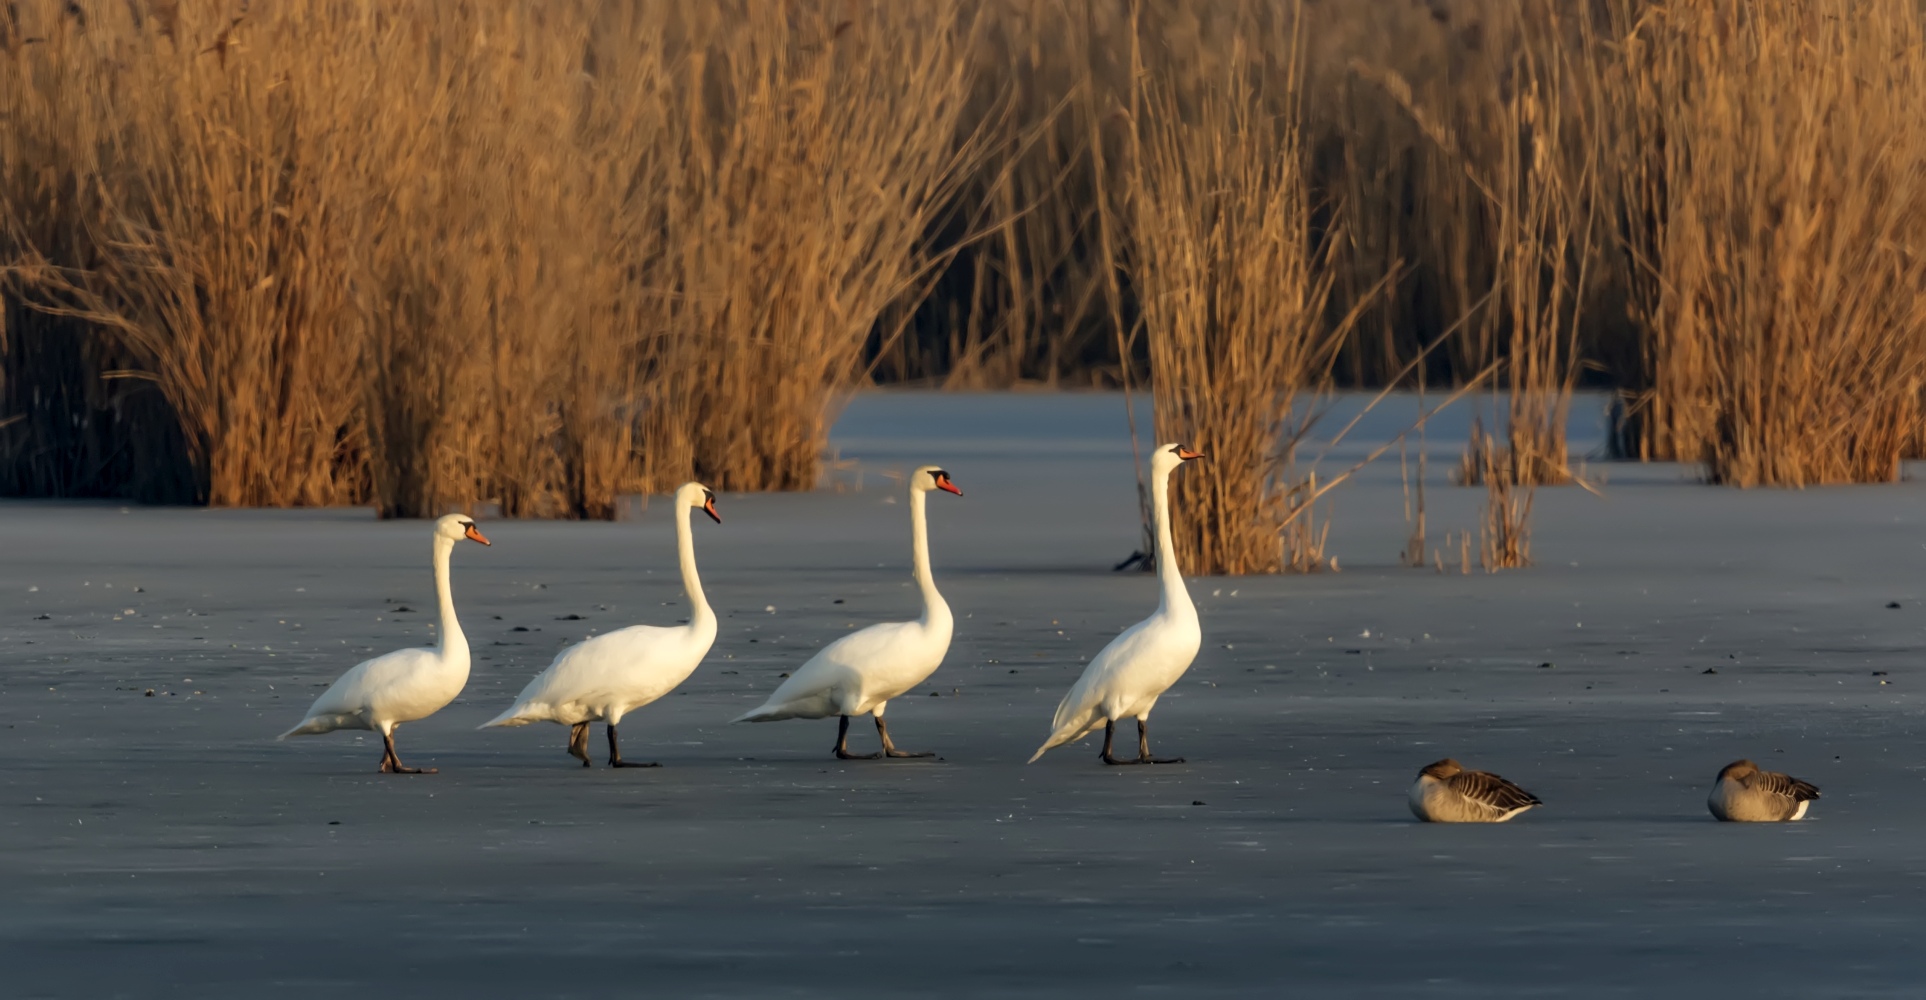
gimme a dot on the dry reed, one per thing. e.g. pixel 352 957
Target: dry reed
pixel 1403 94
pixel 542 254
pixel 1303 536
pixel 1414 499
pixel 439 255
pixel 1027 303
pixel 1504 526
pixel 190 218
pixel 1227 271
pixel 1521 165
pixel 818 148
pixel 1772 160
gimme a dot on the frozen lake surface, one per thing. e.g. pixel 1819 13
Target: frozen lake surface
pixel 168 846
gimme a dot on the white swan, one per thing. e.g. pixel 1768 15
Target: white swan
pixel 407 684
pixel 1126 679
pixel 607 677
pixel 863 670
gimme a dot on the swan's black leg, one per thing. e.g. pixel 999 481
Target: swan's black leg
pixel 842 742
pixel 578 742
pixel 1143 747
pixel 1109 732
pixel 889 749
pixel 391 761
pixel 615 755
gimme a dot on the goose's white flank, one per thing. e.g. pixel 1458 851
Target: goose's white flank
pixel 1447 793
pixel 860 672
pixel 1744 794
pixel 609 676
pixel 407 684
pixel 1127 678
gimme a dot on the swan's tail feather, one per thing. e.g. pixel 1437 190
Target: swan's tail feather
pixel 313 725
pixel 765 713
pixel 812 705
pixel 1059 738
pixel 1072 722
pixel 517 715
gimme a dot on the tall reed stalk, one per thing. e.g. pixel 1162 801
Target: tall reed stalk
pixel 1228 272
pixel 1774 167
pixel 1027 303
pixel 816 147
pixel 535 254
pixel 1522 158
pixel 182 204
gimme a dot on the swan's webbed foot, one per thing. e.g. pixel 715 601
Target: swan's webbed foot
pixel 391 762
pixel 1110 733
pixel 842 742
pixel 578 742
pixel 889 747
pixel 615 754
pixel 1143 748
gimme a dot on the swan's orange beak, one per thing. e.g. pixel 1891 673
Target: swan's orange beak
pixel 943 483
pixel 474 535
pixel 709 508
pixel 1186 454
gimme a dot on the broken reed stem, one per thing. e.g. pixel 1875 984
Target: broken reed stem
pixel 1414 512
pixel 1303 537
pixel 1504 529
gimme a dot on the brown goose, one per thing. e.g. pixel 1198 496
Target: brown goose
pixel 1744 794
pixel 1447 793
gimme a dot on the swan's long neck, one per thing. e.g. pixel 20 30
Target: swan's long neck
pixel 454 645
pixel 1176 597
pixel 701 616
pixel 934 607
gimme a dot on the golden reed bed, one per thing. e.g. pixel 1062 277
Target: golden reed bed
pixel 544 254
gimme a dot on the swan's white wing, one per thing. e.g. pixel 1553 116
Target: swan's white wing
pixel 886 659
pixel 396 686
pixel 1138 665
pixel 622 669
pixel 1082 707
